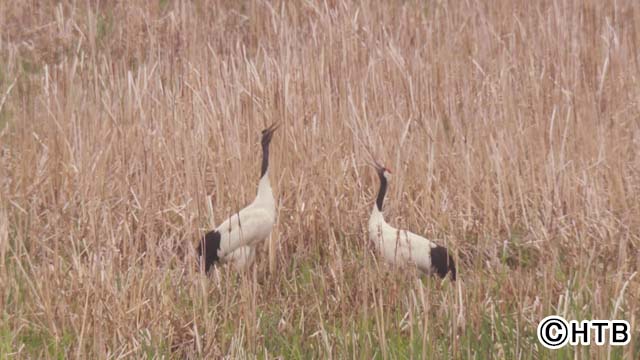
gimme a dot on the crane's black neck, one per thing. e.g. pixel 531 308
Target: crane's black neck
pixel 265 159
pixel 381 192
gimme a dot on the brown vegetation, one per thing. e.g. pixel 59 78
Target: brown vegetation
pixel 128 128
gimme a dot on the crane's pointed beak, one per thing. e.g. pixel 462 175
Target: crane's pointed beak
pixel 379 168
pixel 382 171
pixel 267 133
pixel 273 127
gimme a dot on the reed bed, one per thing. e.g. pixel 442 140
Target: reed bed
pixel 127 129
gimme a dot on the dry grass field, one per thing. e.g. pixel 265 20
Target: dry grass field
pixel 129 128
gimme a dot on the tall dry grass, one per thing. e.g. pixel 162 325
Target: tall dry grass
pixel 126 130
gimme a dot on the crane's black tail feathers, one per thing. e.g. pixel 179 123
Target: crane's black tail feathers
pixel 208 249
pixel 442 262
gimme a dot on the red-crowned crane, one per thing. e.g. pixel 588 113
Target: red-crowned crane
pixel 404 247
pixel 234 240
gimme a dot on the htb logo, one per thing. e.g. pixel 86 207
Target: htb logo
pixel 555 332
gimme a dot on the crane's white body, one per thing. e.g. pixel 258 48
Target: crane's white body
pixel 249 226
pixel 399 247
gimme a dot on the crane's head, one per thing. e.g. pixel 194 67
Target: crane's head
pixel 267 134
pixel 382 171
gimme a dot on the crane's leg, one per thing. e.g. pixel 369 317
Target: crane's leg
pixel 241 258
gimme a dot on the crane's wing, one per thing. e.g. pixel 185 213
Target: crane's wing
pixel 208 249
pixel 429 257
pixel 247 227
pixel 418 250
pixel 402 247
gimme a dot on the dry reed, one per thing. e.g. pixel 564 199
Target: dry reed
pixel 126 129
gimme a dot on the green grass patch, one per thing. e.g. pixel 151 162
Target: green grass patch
pixel 40 343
